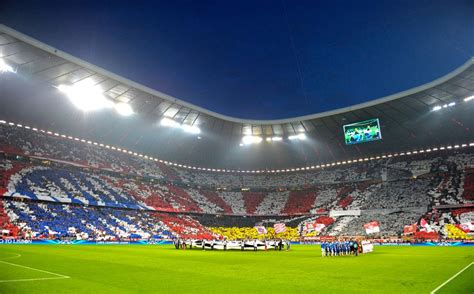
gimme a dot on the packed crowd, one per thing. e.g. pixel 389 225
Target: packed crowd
pixel 108 190
pixel 41 144
pixel 44 220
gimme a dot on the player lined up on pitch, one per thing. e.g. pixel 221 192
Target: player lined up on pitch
pixel 339 248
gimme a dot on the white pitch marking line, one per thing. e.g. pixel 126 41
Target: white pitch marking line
pixel 35 269
pixel 12 257
pixel 450 279
pixel 29 280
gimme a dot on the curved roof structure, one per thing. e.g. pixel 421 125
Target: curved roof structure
pixel 407 120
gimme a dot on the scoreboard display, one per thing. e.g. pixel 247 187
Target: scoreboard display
pixel 362 132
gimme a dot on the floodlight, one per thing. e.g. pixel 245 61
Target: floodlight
pixel 452 104
pixel 300 136
pixel 468 98
pixel 5 67
pixel 191 129
pixel 167 122
pixel 436 108
pixel 85 96
pixel 276 139
pixel 247 140
pixel 124 109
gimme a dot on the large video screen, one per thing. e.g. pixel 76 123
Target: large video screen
pixel 361 132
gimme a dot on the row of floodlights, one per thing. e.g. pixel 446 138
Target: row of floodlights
pixel 89 97
pixel 434 149
pixel 84 95
pixel 451 104
pixel 248 140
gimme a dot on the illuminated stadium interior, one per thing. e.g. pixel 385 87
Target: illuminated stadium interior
pixel 120 162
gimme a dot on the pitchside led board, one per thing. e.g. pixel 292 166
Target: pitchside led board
pixel 362 132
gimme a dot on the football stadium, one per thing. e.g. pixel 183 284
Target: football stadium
pixel 110 186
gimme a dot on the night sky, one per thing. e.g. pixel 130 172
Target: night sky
pixel 259 59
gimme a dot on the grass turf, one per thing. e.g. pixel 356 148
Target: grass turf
pixel 163 269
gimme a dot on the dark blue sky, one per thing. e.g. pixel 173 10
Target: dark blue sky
pixel 259 59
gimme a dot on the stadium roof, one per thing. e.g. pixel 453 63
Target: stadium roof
pixel 407 120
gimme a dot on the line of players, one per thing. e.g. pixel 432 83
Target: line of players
pixel 339 248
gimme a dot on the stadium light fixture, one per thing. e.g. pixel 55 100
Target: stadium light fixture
pixel 469 98
pixel 300 136
pixel 436 108
pixel 124 109
pixel 86 96
pixel 191 129
pixel 247 140
pixel 4 67
pixel 274 139
pixel 167 122
pixel 277 139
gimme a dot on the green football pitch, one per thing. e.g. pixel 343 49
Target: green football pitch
pixel 163 269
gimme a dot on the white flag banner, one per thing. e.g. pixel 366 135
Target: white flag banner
pixel 372 227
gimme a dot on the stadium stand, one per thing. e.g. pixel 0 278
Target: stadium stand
pixel 112 192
